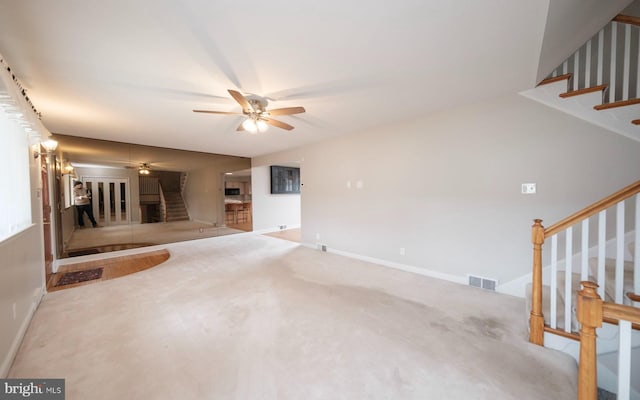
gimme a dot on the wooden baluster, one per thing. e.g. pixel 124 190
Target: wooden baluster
pixel 590 318
pixel 536 319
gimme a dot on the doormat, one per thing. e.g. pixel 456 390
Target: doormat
pixel 80 276
pixel 85 252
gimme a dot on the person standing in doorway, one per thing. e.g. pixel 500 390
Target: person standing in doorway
pixel 82 200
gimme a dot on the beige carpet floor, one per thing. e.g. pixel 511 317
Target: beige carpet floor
pixel 255 317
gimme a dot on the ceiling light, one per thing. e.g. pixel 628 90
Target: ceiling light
pixel 254 125
pixel 49 147
pixel 144 169
pixel 250 125
pixel 68 168
pixel 262 126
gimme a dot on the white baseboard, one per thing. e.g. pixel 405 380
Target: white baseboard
pixel 402 267
pixel 17 340
pixel 274 229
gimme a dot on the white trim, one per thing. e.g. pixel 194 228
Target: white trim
pixel 569 258
pixel 626 63
pixel 584 251
pixel 17 340
pixel 612 69
pixel 636 248
pixel 602 247
pixel 620 251
pixel 554 282
pixel 402 267
pixel 276 229
pixel 624 360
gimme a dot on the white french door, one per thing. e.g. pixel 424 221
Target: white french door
pixel 110 199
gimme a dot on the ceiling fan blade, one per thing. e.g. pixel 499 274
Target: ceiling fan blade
pixel 241 100
pixel 277 123
pixel 286 111
pixel 240 128
pixel 217 112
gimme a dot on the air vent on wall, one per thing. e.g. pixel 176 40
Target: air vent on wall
pixel 483 283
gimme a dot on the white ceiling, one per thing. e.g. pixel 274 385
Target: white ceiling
pixel 132 70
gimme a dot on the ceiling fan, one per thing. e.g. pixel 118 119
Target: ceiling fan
pixel 258 117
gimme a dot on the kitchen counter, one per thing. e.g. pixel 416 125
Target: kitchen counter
pixel 237 211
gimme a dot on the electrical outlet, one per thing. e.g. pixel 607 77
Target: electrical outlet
pixel 528 188
pixel 401 251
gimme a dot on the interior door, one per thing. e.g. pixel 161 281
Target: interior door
pixel 110 199
pixel 46 217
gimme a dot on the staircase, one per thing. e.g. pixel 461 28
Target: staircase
pixel 600 82
pixel 175 209
pixel 602 259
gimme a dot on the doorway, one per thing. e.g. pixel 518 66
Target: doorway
pixel 110 199
pixel 238 202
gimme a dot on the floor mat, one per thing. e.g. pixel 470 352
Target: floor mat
pixel 80 276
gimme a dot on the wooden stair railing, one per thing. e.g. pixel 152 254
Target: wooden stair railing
pixel 592 311
pixel 627 19
pixel 163 205
pixel 538 235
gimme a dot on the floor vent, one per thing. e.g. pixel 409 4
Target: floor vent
pixel 483 283
pixel 283 227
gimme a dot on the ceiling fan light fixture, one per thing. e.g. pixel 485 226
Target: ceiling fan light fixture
pixel 249 125
pixel 252 125
pixel 262 126
pixel 144 169
pixel 258 118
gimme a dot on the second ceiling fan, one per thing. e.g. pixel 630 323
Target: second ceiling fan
pixel 258 117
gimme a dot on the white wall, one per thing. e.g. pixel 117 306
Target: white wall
pixel 446 188
pixel 270 211
pixel 21 277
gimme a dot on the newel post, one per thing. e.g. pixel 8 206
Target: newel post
pixel 536 319
pixel 590 317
